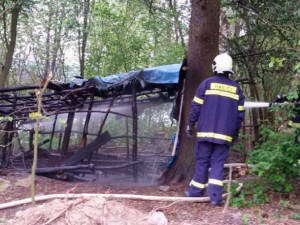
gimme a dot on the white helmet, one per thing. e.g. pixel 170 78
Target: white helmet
pixel 222 63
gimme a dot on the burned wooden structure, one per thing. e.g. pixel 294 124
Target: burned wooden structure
pixel 70 99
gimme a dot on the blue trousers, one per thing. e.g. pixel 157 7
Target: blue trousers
pixel 209 155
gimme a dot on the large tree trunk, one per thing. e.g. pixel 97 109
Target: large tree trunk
pixel 12 44
pixel 203 47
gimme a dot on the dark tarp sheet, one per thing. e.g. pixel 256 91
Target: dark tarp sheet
pixel 167 74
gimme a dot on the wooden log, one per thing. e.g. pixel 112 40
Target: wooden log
pixel 47 170
pixel 87 150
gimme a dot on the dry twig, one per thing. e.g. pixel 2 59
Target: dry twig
pixel 62 212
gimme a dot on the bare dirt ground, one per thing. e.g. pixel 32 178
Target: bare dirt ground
pixel 120 211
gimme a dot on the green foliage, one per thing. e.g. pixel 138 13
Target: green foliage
pixel 295 216
pixel 252 194
pixel 284 204
pixel 241 147
pixel 9 118
pixel 260 196
pixel 266 46
pixel 246 218
pixel 125 37
pixel 275 160
pixel 62 121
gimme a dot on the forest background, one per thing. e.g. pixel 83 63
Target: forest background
pixel 92 37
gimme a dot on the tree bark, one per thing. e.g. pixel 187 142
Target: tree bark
pixel 5 68
pixel 203 47
pixel 86 11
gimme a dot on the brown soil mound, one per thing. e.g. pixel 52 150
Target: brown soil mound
pixel 86 211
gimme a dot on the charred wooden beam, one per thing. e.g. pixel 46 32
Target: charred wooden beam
pixel 67 134
pixel 62 168
pixel 86 123
pixel 105 117
pixel 54 86
pixel 87 150
pixel 20 88
pixel 53 130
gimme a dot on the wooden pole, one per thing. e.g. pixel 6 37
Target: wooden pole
pixel 127 138
pixel 53 130
pixel 179 120
pixel 134 131
pixel 105 117
pixel 67 134
pixel 60 137
pixel 86 123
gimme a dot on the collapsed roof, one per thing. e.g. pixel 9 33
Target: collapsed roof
pixel 18 102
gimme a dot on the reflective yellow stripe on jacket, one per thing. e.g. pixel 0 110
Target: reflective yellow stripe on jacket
pixel 222 93
pixel 214 135
pixel 241 108
pixel 198 100
pixel 223 87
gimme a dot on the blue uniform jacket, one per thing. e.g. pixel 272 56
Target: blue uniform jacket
pixel 218 109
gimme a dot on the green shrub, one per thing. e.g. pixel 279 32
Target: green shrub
pixel 252 194
pixel 275 160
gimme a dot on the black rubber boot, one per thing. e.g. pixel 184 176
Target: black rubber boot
pixel 221 203
pixel 186 194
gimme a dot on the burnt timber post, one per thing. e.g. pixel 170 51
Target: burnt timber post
pixel 53 130
pixel 134 131
pixel 105 117
pixel 86 123
pixel 67 134
pixel 127 138
pixel 60 137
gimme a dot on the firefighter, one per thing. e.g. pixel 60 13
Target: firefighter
pixel 295 121
pixel 218 109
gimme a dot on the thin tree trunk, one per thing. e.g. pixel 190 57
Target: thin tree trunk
pixel 12 44
pixel 173 7
pixel 47 60
pixel 86 10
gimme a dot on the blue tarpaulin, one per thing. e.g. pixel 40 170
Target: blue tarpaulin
pixel 166 74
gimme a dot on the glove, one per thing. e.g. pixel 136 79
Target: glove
pixel 281 98
pixel 235 138
pixel 190 131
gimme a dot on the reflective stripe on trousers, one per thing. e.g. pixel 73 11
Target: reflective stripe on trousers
pixel 206 154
